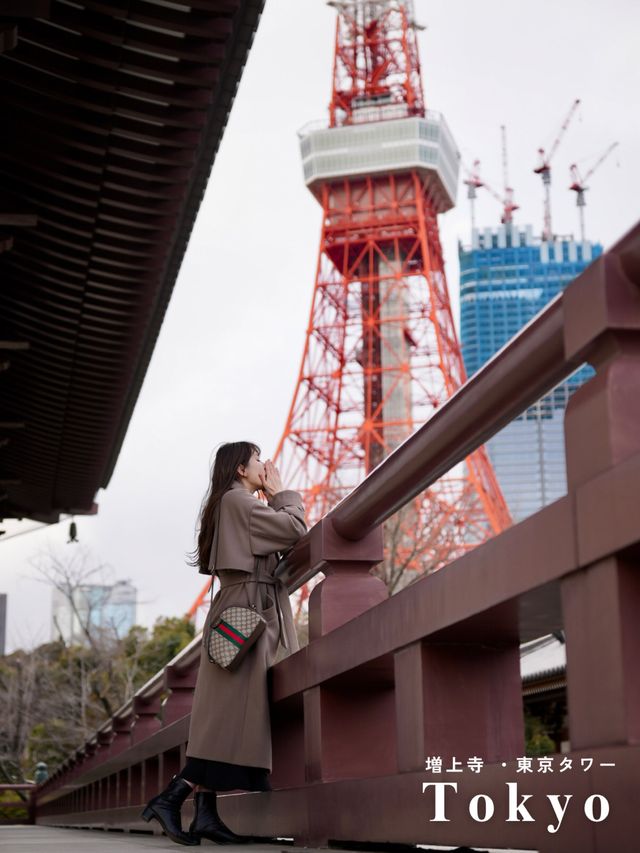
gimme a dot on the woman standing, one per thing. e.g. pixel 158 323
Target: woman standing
pixel 229 744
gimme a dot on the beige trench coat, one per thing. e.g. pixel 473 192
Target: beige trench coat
pixel 230 715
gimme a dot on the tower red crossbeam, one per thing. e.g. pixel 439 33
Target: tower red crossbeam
pixel 381 352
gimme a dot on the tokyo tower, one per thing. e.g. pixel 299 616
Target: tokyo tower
pixel 381 352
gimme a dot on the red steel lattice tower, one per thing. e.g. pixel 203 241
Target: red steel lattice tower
pixel 381 352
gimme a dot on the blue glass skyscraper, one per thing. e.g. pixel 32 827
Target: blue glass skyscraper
pixel 506 277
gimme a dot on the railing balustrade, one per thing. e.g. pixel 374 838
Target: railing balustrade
pixel 386 682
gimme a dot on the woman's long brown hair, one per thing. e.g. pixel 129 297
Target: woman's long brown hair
pixel 224 471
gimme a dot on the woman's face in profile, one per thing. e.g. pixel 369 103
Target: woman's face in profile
pixel 252 471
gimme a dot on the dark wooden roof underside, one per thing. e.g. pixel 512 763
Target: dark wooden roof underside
pixel 111 112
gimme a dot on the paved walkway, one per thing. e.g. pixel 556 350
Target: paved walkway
pixel 36 839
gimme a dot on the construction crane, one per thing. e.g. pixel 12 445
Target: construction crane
pixel 505 162
pixel 578 184
pixel 544 169
pixel 507 202
pixel 508 205
pixel 473 183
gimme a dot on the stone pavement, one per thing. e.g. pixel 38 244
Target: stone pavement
pixel 36 839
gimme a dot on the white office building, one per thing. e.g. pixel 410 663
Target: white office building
pixel 103 611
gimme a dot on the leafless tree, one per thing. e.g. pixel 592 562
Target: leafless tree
pixel 422 537
pixel 18 681
pixel 59 693
pixel 72 575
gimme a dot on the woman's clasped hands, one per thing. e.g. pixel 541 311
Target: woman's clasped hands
pixel 270 478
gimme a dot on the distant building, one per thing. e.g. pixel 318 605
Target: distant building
pixel 506 277
pixel 106 611
pixel 3 622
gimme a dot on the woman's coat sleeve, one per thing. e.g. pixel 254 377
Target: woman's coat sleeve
pixel 278 525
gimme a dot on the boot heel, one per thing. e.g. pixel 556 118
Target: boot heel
pixel 147 814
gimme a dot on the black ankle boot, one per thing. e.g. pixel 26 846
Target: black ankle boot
pixel 166 810
pixel 206 822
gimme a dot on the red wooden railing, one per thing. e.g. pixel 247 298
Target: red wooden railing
pixel 433 671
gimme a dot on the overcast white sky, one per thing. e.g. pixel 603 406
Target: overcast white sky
pixel 229 351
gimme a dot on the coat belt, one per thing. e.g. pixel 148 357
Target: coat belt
pixel 286 628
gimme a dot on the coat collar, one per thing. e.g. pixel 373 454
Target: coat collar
pixel 238 485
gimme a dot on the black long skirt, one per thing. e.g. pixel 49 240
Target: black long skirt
pixel 220 776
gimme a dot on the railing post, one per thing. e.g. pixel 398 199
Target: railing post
pixel 348 588
pixel 31 806
pixel 122 732
pixel 603 416
pixel 458 699
pixel 135 784
pixel 346 732
pixel 147 721
pixel 151 777
pixel 601 606
pixel 602 429
pixel 181 683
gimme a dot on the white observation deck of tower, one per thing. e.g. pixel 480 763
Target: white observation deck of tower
pixel 386 146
